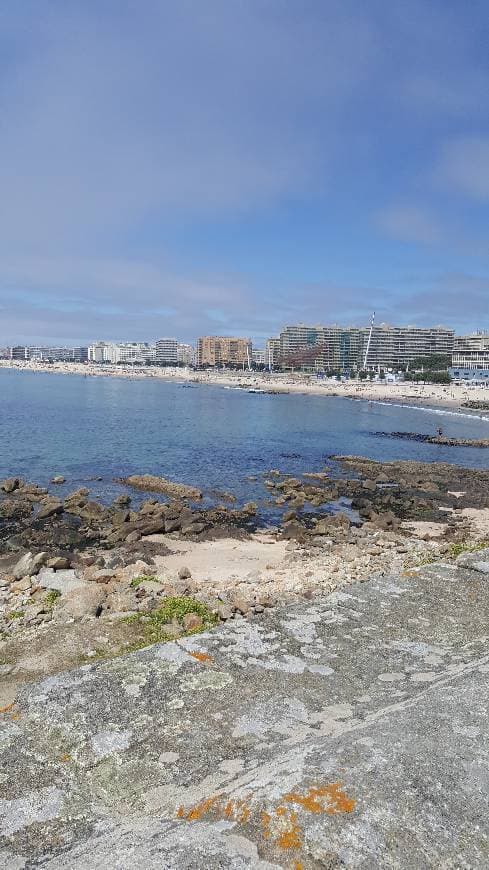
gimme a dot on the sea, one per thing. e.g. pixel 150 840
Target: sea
pixel 96 430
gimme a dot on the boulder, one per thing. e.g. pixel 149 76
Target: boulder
pixel 58 479
pixel 184 573
pixel 11 484
pixel 49 508
pixel 224 611
pixel 194 529
pixel 58 563
pixel 122 501
pixel 172 526
pixel 21 585
pixel 28 565
pixel 87 600
pixel 192 621
pixel 152 483
pixel 151 527
pixel 369 485
pixel 475 561
pixel 119 517
pixel 63 581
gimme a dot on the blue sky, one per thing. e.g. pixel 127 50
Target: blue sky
pixel 231 166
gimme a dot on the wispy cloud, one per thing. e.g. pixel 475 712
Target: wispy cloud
pixel 463 167
pixel 155 157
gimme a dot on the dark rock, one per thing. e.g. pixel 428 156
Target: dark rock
pixel 184 573
pixel 152 483
pixel 172 526
pixel 11 484
pixel 49 508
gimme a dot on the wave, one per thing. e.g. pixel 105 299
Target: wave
pixel 440 411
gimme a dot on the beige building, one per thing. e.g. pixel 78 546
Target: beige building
pixel 217 350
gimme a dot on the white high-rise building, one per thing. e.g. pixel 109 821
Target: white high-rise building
pixel 118 353
pixel 186 354
pixel 167 351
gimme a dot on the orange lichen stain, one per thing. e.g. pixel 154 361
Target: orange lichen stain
pixel 11 711
pixel 201 809
pixel 65 757
pixel 198 811
pixel 291 837
pixel 229 810
pixel 265 822
pixel 329 799
pixel 238 811
pixel 202 656
pixel 8 708
pixel 298 865
pixel 283 828
pixel 243 814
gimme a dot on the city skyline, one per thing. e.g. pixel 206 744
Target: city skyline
pixel 225 167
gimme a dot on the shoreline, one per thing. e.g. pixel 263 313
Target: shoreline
pixel 434 397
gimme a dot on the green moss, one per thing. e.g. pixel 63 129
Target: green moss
pixel 15 614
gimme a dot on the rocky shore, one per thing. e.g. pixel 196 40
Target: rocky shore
pixel 80 580
pixel 442 440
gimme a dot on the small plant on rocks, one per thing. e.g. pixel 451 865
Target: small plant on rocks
pixel 155 625
pixel 52 597
pixel 136 581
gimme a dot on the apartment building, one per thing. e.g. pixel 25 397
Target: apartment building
pixel 186 354
pixel 272 352
pixel 470 358
pixel 397 346
pixel 471 350
pixel 119 353
pixel 49 354
pixel 320 347
pixel 217 351
pixel 345 348
pixel 167 351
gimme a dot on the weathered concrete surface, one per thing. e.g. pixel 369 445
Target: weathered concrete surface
pixel 351 732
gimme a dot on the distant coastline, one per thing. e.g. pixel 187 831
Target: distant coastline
pixel 432 396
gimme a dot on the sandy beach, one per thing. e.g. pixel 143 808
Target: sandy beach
pixel 450 397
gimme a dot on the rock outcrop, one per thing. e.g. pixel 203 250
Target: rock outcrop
pixel 152 483
pixel 349 732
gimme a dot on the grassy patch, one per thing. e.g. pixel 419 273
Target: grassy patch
pixel 136 581
pixel 52 597
pixel 15 614
pixel 467 547
pixel 150 627
pixel 152 624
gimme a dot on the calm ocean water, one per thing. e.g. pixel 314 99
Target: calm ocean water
pixel 86 428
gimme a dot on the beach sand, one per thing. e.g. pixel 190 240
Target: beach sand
pixel 449 397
